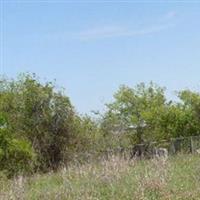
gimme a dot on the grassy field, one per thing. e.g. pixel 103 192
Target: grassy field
pixel 114 179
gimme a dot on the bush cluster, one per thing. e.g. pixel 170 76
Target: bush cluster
pixel 40 129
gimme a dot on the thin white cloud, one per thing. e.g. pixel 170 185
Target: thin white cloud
pixel 101 32
pixel 111 32
pixel 165 22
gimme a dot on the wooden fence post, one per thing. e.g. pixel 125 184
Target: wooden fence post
pixel 191 145
pixel 173 149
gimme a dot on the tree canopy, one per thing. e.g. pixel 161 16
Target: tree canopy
pixel 41 130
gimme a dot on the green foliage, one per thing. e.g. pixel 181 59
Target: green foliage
pixel 143 114
pixel 191 108
pixel 40 129
pixel 16 155
pixel 37 113
pixel 89 141
pixel 136 110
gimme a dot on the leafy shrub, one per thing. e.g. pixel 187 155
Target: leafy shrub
pixel 16 156
pixel 39 114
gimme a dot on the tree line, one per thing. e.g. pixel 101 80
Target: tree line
pixel 40 130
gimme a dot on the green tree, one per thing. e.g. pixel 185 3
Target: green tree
pixel 16 155
pixel 135 111
pixel 190 105
pixel 40 114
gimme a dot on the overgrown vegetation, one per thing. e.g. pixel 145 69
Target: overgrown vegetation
pixel 112 179
pixel 41 131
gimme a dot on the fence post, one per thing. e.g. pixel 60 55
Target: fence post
pixel 173 149
pixel 191 145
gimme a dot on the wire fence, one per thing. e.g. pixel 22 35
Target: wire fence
pixel 183 145
pixel 173 146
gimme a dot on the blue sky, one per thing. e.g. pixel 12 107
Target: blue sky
pixel 92 48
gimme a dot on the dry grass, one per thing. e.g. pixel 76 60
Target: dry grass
pixel 113 179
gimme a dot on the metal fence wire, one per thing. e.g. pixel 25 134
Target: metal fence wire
pixel 173 146
pixel 185 145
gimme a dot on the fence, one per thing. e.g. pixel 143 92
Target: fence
pixel 174 145
pixel 146 150
pixel 181 145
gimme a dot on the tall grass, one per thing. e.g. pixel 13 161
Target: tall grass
pixel 112 179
